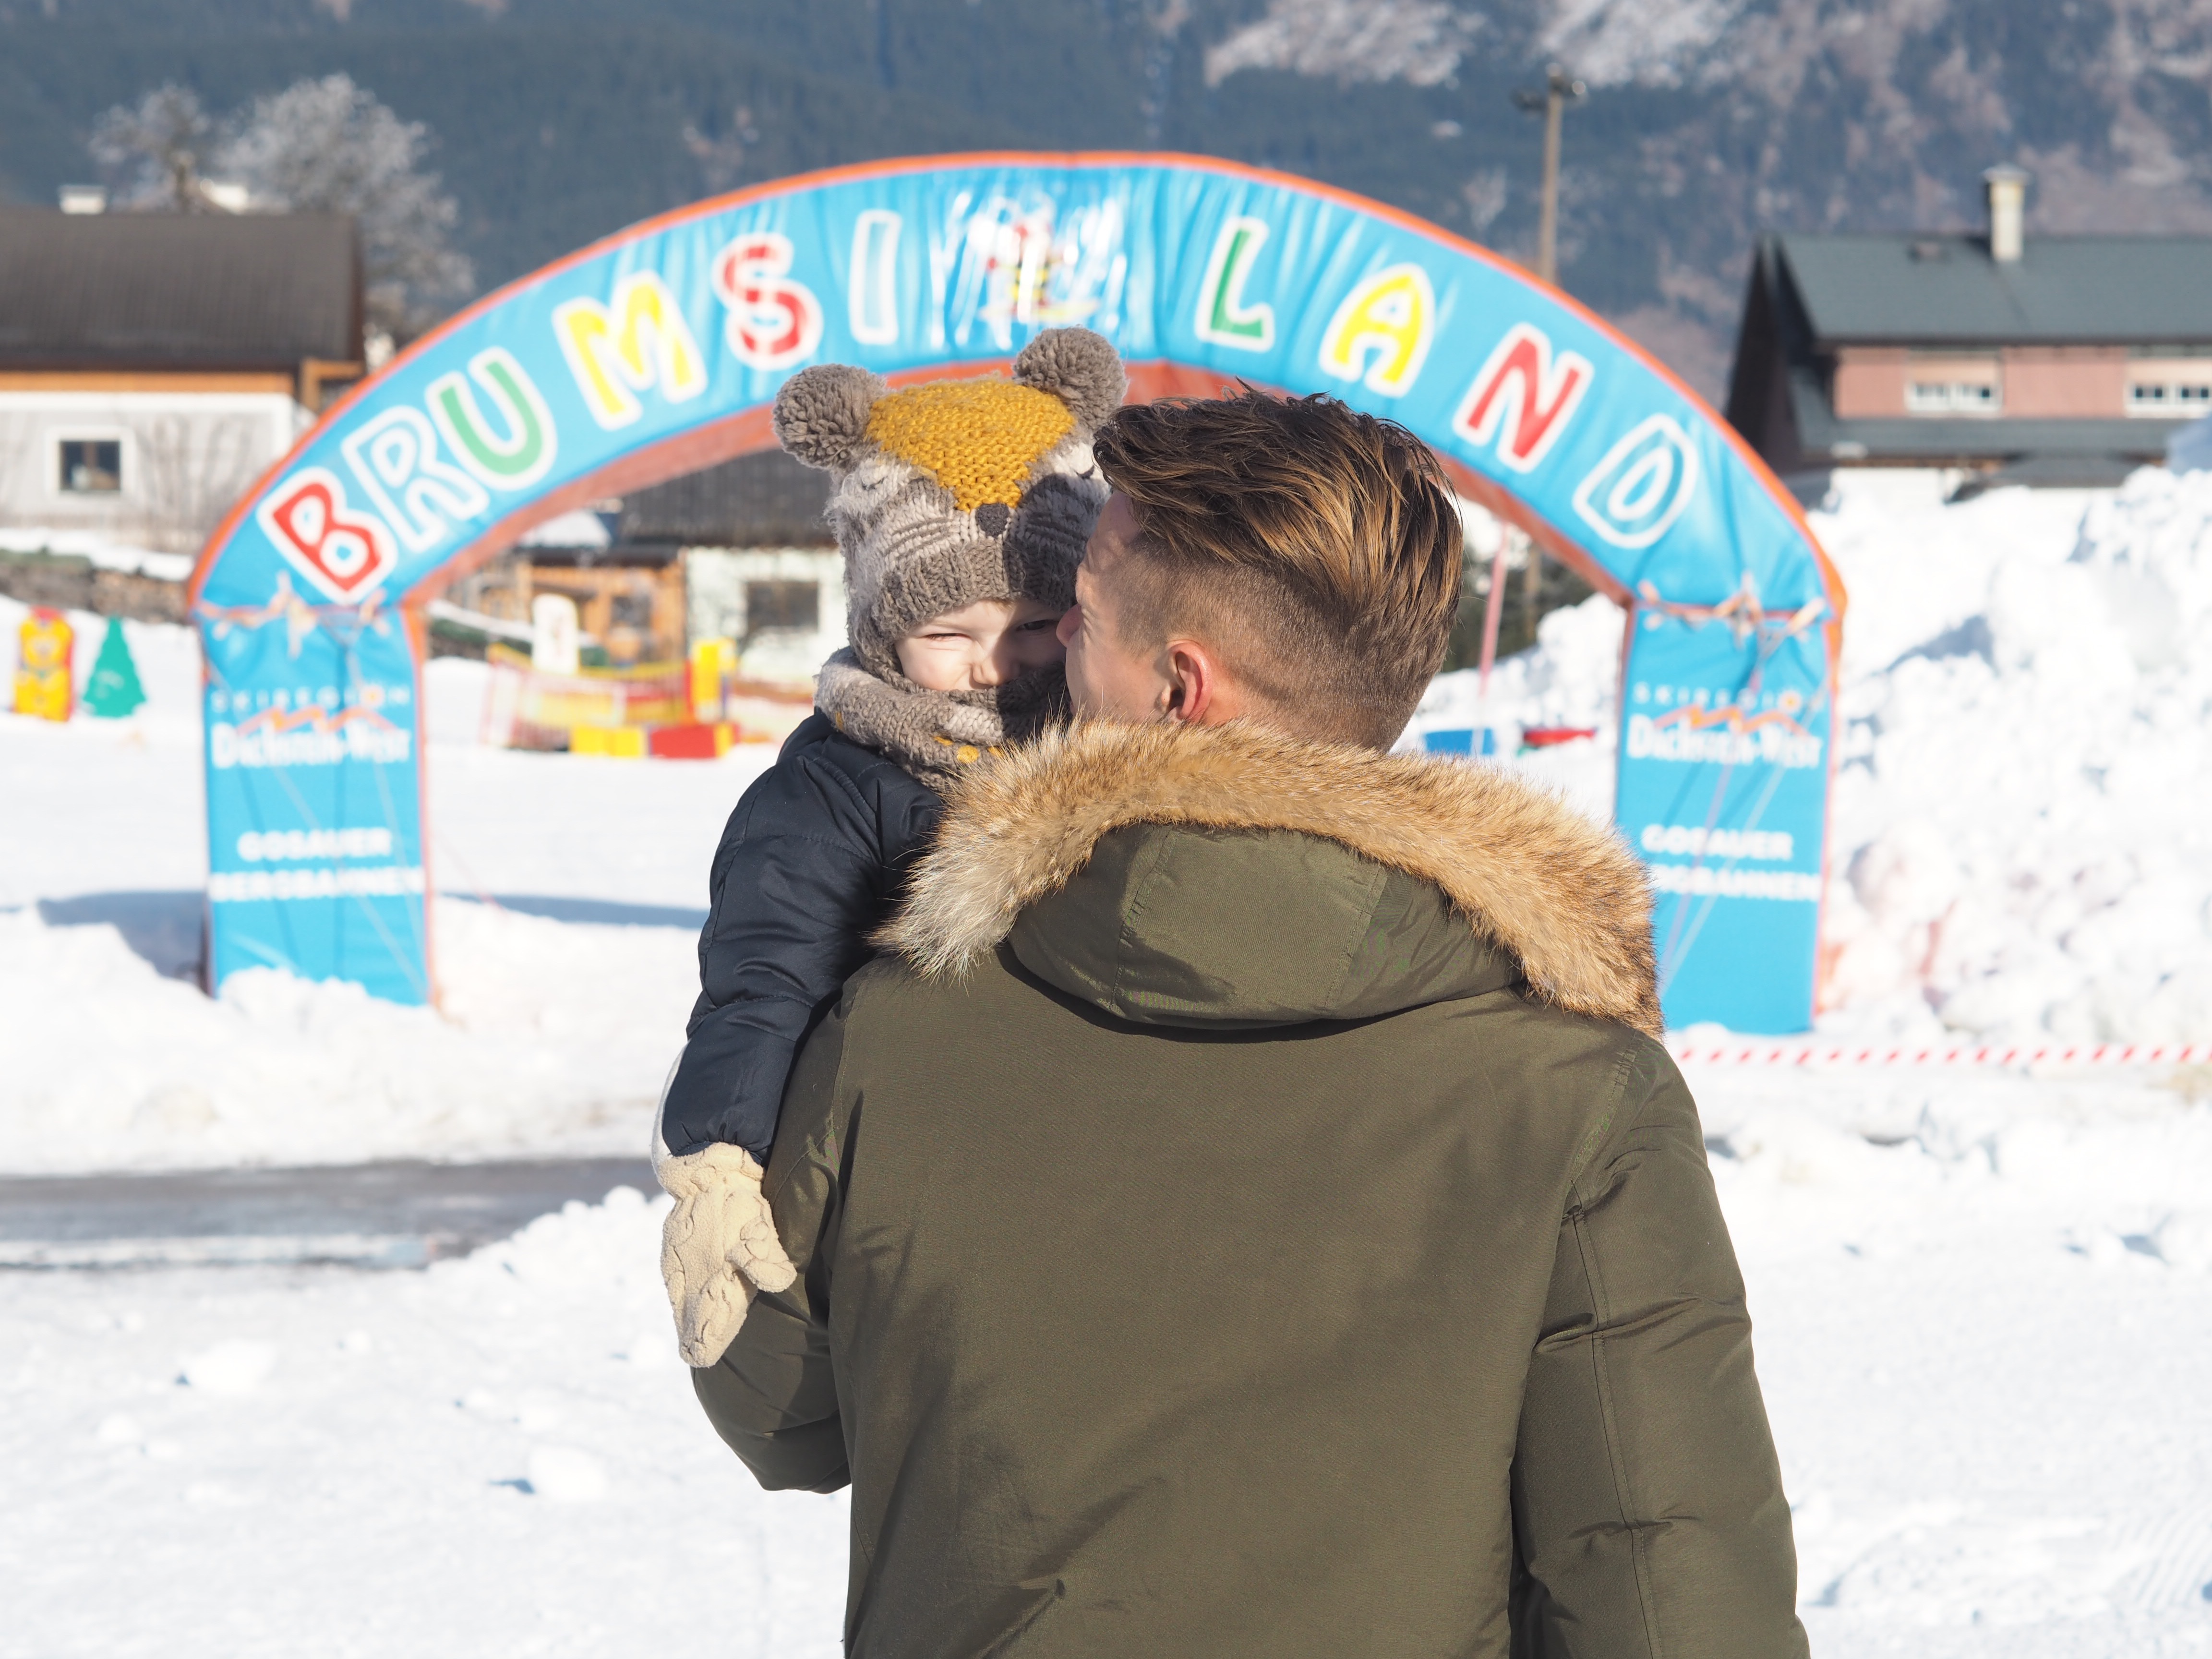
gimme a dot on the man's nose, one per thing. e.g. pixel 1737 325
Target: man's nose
pixel 1070 625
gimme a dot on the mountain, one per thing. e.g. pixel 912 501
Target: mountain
pixel 1707 120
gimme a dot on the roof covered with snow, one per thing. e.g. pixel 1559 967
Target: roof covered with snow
pixel 1912 288
pixel 177 290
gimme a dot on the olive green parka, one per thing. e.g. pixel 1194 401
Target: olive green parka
pixel 1249 1214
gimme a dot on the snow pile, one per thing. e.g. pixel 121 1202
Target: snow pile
pixel 2024 819
pixel 553 1039
pixel 2022 825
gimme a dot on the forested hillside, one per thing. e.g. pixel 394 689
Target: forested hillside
pixel 557 120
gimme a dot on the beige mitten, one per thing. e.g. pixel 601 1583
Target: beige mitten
pixel 718 1243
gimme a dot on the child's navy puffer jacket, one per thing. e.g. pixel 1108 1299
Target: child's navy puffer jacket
pixel 808 867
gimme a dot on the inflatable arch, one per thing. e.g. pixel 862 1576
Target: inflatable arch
pixel 659 350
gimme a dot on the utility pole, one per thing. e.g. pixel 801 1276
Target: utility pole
pixel 1560 90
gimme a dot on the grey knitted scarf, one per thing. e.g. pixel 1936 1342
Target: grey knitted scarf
pixel 937 735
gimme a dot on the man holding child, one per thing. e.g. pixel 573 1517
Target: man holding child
pixel 1245 1210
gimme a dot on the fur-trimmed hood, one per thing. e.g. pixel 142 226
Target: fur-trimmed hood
pixel 1563 898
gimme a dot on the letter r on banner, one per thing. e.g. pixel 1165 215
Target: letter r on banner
pixel 1525 397
pixel 343 554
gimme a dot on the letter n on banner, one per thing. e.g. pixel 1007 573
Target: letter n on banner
pixel 1524 398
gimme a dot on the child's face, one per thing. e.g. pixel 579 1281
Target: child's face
pixel 982 645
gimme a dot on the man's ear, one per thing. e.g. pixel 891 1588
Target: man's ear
pixel 1194 683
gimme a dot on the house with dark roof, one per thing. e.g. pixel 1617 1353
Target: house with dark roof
pixel 153 364
pixel 2059 360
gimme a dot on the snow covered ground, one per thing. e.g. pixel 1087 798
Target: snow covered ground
pixel 1984 1298
pixel 573 889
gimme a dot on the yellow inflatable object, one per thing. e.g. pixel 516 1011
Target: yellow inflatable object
pixel 44 649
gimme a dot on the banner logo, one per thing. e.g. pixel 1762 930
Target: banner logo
pixel 773 321
pixel 344 554
pixel 634 344
pixel 1380 334
pixel 1641 487
pixel 1722 735
pixel 1224 318
pixel 1525 398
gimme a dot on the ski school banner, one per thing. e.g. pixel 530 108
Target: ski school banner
pixel 661 350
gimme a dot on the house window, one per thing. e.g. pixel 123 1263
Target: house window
pixel 91 466
pixel 1926 396
pixel 1953 383
pixel 795 607
pixel 2171 399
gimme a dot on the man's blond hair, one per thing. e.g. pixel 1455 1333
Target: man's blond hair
pixel 1314 547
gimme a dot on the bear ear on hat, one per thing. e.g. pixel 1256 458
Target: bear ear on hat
pixel 822 414
pixel 1079 368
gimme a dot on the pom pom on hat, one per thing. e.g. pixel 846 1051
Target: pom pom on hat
pixel 1079 368
pixel 822 414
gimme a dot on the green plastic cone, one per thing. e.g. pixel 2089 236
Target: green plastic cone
pixel 113 690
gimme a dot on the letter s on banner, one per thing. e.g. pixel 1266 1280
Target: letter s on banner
pixel 344 554
pixel 1641 485
pixel 773 321
pixel 1524 397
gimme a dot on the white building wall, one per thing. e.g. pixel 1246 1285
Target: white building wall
pixel 714 581
pixel 185 458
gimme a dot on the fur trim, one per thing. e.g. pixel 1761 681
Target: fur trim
pixel 1080 367
pixel 822 414
pixel 1563 896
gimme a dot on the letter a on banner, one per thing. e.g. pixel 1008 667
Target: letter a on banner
pixel 1383 328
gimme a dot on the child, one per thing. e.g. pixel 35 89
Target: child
pixel 962 507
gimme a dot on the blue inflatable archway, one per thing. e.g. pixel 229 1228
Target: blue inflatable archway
pixel 659 350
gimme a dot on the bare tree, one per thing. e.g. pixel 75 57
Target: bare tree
pixel 330 146
pixel 191 469
pixel 153 150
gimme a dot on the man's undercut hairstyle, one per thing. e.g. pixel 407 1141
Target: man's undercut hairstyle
pixel 1315 549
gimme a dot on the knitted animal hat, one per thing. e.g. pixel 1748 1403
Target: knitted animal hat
pixel 953 491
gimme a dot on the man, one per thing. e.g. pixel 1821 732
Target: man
pixel 1250 1213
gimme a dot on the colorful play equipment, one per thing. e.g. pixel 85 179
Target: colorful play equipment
pixel 699 709
pixel 114 692
pixel 45 650
pixel 659 350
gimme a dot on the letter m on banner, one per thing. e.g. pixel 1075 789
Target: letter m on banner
pixel 1524 397
pixel 635 342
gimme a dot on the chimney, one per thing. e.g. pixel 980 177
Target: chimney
pixel 2008 191
pixel 84 198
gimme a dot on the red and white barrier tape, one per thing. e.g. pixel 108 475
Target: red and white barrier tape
pixel 1822 1053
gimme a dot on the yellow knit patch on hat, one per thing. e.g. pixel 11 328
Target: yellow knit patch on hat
pixel 979 437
